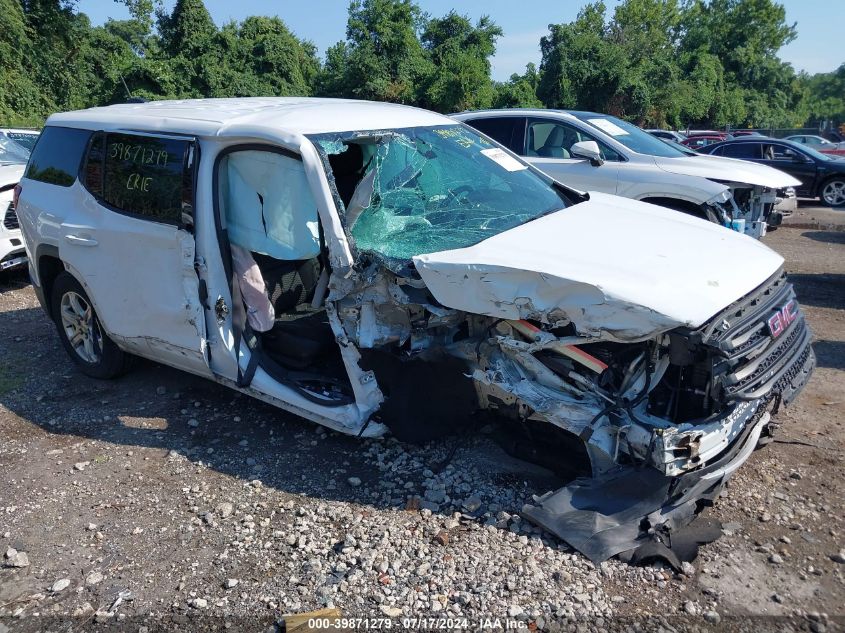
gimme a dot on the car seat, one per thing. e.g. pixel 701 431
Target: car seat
pixel 300 335
pixel 554 145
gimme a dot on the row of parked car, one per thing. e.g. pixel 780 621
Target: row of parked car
pixel 701 138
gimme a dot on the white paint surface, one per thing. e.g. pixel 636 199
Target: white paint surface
pixel 611 264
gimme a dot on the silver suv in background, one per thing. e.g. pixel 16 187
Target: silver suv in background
pixel 598 152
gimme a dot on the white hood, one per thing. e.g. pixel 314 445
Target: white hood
pixel 617 268
pixel 11 174
pixel 727 170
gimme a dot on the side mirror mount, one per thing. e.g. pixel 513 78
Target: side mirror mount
pixel 589 150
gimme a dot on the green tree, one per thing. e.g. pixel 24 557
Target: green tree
pixel 261 57
pixel 460 57
pixel 745 36
pixel 520 91
pixel 382 58
pixel 23 99
pixel 581 67
pixel 188 31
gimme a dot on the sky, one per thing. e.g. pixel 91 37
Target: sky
pixel 524 22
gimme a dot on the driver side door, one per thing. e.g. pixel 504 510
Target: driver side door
pixel 547 147
pixel 794 163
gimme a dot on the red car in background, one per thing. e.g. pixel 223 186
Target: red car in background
pixel 697 141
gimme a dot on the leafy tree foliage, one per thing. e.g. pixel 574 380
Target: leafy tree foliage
pixel 520 91
pixel 655 62
pixel 460 56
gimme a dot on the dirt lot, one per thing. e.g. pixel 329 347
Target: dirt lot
pixel 163 498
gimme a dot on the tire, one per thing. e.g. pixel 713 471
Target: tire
pixel 832 192
pixel 91 350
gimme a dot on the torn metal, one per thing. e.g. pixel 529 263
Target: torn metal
pixel 665 389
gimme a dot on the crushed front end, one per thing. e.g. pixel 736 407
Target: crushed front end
pixel 712 392
pixel 598 349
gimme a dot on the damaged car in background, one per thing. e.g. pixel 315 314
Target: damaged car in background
pixel 13 158
pixel 599 152
pixel 382 269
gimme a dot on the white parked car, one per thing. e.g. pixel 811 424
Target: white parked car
pixel 597 152
pixel 24 137
pixel 374 267
pixel 13 158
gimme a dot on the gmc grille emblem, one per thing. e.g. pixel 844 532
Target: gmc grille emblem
pixel 781 319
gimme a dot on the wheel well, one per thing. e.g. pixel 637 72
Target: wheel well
pixel 49 268
pixel 684 206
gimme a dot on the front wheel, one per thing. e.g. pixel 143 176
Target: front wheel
pixel 833 192
pixel 91 350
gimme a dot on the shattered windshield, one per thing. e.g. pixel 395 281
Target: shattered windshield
pixel 425 189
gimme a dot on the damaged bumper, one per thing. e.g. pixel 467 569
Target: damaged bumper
pixel 765 361
pixel 630 507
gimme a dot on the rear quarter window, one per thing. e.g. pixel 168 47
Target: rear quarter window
pixel 57 155
pixel 146 176
pixel 505 130
pixel 741 150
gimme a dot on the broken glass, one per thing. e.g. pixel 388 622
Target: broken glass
pixel 419 190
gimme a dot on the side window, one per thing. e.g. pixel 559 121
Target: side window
pixel 148 176
pixel 267 205
pixel 777 152
pixel 741 150
pixel 57 154
pixel 553 139
pixel 506 130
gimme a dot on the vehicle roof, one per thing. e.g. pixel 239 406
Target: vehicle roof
pixel 238 116
pixel 578 114
pixel 754 139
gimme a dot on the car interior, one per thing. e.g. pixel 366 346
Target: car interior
pixel 554 140
pixel 269 213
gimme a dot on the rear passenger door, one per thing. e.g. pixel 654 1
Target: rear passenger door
pixel 130 238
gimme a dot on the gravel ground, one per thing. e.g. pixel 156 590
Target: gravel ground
pixel 165 498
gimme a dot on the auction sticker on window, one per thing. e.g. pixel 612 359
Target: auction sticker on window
pixel 503 159
pixel 608 126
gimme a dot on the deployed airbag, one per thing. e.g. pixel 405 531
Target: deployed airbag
pixel 269 208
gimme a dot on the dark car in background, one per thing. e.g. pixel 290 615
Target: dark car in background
pixel 821 175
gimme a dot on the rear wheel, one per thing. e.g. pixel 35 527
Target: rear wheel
pixel 93 352
pixel 833 192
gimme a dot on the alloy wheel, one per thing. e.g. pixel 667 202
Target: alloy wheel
pixel 834 193
pixel 81 327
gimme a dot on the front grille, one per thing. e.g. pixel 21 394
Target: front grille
pixel 751 360
pixel 10 221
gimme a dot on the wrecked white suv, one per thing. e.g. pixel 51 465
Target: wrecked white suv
pixel 375 268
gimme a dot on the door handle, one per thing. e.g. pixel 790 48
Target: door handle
pixel 80 240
